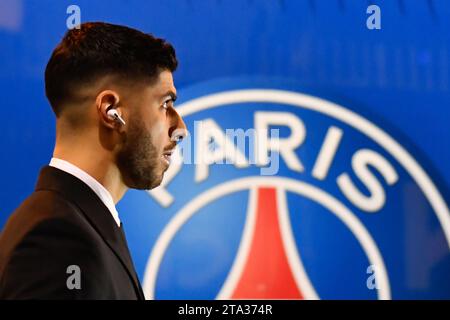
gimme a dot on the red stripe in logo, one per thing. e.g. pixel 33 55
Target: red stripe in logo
pixel 267 273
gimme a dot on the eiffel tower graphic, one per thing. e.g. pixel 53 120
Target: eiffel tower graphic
pixel 267 265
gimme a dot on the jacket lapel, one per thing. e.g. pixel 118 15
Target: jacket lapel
pixel 93 209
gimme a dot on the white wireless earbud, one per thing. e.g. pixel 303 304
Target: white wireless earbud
pixel 113 114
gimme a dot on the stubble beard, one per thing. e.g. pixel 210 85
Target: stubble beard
pixel 139 160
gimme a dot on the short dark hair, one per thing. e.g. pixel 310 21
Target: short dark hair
pixel 99 49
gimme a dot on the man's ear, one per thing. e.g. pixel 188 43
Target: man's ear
pixel 105 101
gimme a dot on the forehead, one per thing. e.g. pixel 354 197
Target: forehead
pixel 163 84
pixel 143 93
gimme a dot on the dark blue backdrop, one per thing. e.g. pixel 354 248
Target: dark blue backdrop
pixel 397 77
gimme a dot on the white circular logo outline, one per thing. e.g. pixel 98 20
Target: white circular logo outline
pixel 335 111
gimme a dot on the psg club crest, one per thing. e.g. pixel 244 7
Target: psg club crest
pixel 280 193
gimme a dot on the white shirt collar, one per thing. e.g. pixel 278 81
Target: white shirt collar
pixel 99 190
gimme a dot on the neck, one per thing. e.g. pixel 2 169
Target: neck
pixel 101 166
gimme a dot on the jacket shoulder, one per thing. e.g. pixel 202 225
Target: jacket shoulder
pixel 42 238
pixel 40 206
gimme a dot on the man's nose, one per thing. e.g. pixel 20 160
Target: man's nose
pixel 178 130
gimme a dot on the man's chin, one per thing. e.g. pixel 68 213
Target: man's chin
pixel 156 183
pixel 146 184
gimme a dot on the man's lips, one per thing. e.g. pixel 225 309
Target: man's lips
pixel 167 155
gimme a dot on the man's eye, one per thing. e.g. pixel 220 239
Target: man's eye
pixel 166 104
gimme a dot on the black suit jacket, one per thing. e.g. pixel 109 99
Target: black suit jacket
pixel 63 223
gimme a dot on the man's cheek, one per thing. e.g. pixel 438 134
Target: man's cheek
pixel 159 134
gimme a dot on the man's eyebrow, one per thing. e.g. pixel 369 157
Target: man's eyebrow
pixel 172 95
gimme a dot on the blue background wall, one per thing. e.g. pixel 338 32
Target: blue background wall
pixel 397 76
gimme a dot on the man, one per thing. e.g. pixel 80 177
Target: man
pixel 112 91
